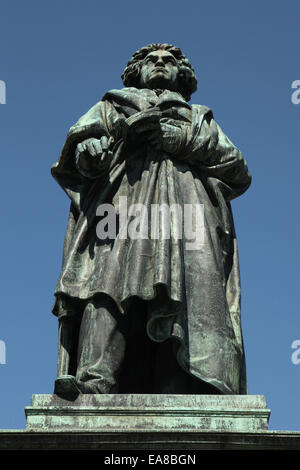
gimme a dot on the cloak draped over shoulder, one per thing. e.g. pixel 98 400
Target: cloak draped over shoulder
pixel 193 294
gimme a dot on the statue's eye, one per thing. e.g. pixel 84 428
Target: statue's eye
pixel 169 60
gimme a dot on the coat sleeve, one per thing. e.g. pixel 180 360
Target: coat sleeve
pixel 212 153
pixel 65 170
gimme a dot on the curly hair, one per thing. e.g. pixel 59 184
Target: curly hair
pixel 187 77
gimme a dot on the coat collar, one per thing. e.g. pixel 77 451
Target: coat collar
pixel 142 99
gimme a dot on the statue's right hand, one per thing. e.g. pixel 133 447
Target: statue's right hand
pixel 91 154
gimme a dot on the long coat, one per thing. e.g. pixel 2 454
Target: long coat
pixel 194 295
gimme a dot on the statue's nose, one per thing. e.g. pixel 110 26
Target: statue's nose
pixel 159 63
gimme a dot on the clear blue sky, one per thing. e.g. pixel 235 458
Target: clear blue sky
pixel 57 60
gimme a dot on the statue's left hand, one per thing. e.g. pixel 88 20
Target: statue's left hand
pixel 168 138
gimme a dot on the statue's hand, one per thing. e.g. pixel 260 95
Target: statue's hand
pixel 140 132
pixel 93 155
pixel 168 138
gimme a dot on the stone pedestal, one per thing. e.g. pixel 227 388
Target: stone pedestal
pixel 148 413
pixel 148 423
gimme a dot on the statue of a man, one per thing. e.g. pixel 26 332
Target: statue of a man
pixel 150 314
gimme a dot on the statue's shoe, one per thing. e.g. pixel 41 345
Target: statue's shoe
pixel 66 386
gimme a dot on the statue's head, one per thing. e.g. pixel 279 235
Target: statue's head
pixel 161 66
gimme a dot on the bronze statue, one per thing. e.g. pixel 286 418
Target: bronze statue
pixel 146 314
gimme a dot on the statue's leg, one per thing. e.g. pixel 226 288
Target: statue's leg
pixel 67 337
pixel 65 344
pixel 101 347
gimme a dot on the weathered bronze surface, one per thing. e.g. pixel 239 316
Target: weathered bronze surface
pixel 149 315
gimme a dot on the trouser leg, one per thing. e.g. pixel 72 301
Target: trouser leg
pixel 65 345
pixel 101 347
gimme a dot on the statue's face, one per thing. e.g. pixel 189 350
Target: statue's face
pixel 159 70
